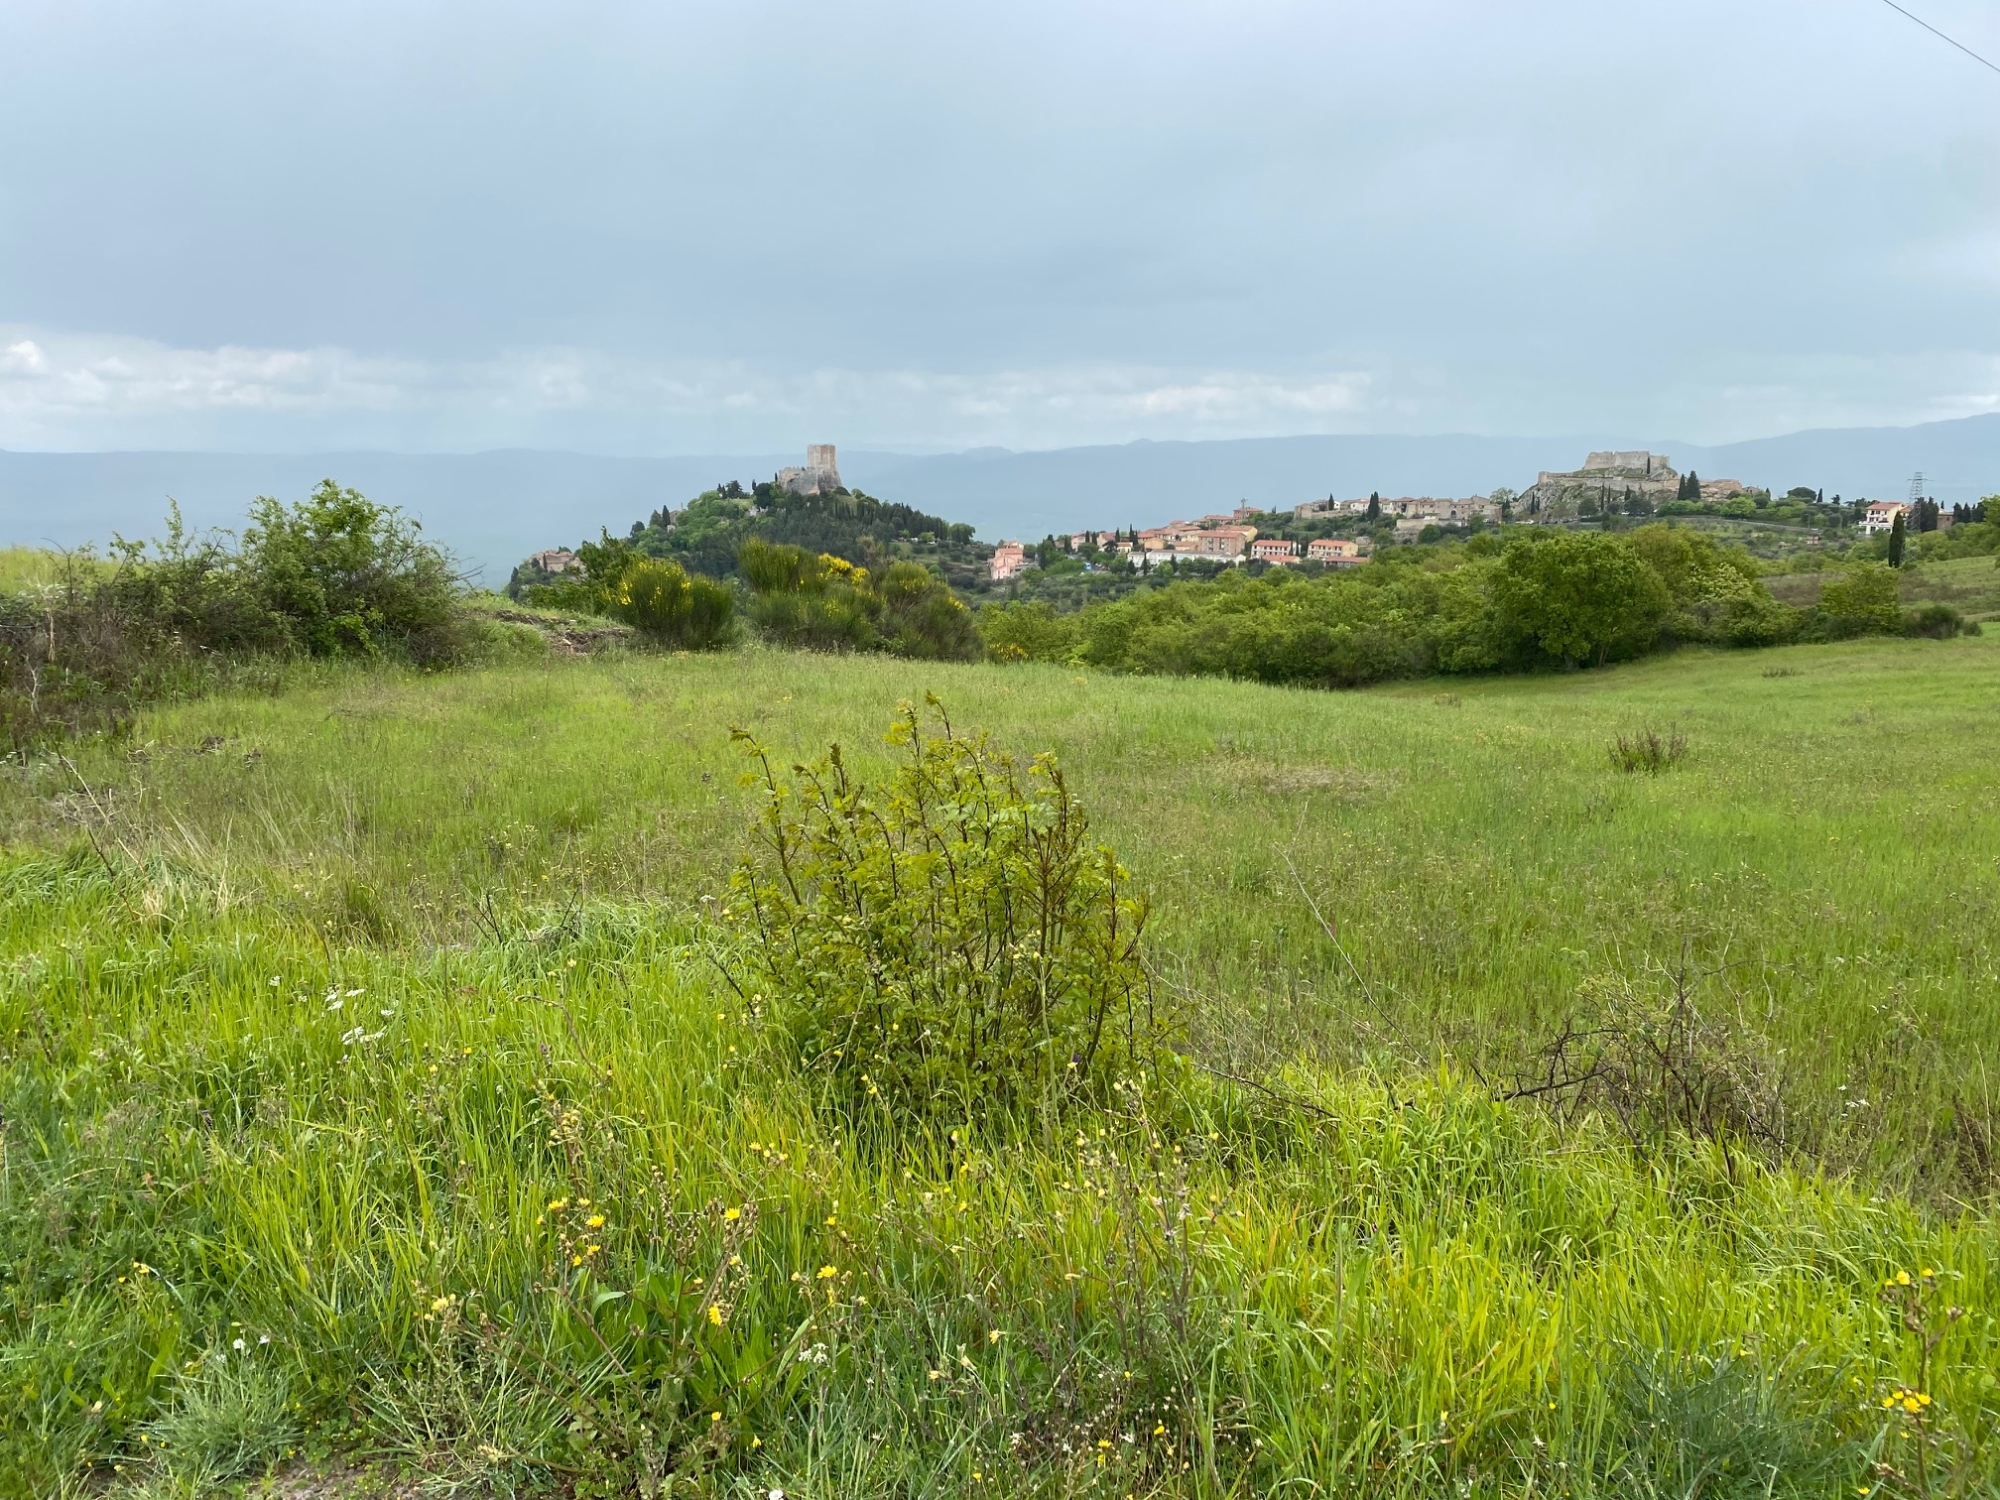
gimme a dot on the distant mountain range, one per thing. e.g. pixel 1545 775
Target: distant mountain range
pixel 494 508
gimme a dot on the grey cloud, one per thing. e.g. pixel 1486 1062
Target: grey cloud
pixel 643 226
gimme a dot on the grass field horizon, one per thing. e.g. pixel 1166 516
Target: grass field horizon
pixel 319 996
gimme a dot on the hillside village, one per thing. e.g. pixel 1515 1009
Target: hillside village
pixel 810 504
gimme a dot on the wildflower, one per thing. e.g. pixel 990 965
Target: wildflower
pixel 595 1221
pixel 592 1249
pixel 715 1416
pixel 993 1337
pixel 826 1271
pixel 732 1214
pixel 715 1315
pixel 557 1205
pixel 1902 1278
pixel 239 1346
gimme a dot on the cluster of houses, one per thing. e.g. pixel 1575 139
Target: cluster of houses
pixel 1212 539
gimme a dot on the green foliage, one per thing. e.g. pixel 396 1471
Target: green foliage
pixel 229 1416
pixel 657 598
pixel 1726 1427
pixel 825 603
pixel 1025 630
pixel 1357 1275
pixel 335 575
pixel 665 605
pixel 339 575
pixel 1718 594
pixel 706 537
pixel 1649 751
pixel 949 945
pixel 1580 597
pixel 1862 600
pixel 1480 606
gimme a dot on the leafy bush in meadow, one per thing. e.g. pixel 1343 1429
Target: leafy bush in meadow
pixel 667 604
pixel 335 575
pixel 825 603
pixel 1861 601
pixel 660 599
pixel 949 944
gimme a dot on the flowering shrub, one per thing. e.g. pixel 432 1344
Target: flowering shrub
pixel 949 944
pixel 667 604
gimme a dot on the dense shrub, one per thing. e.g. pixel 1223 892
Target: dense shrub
pixel 664 603
pixel 948 945
pixel 1860 601
pixel 1028 630
pixel 1541 598
pixel 1938 621
pixel 333 575
pixel 660 599
pixel 826 603
pixel 1580 597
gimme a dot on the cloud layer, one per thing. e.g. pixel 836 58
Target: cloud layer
pixel 648 227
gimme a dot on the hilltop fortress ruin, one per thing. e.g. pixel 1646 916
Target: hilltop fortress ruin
pixel 1608 480
pixel 820 476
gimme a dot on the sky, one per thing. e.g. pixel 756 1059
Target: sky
pixel 660 228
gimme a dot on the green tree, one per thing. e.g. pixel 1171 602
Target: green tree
pixel 1374 507
pixel 1862 600
pixel 1898 540
pixel 1579 597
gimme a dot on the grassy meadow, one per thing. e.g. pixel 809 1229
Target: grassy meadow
pixel 370 1090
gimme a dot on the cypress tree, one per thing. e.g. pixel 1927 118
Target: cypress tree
pixel 1897 541
pixel 1374 506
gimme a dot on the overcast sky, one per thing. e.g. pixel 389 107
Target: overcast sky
pixel 663 228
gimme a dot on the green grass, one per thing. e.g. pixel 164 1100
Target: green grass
pixel 24 568
pixel 1406 1288
pixel 1970 585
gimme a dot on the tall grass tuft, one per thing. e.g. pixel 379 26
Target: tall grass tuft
pixel 1649 751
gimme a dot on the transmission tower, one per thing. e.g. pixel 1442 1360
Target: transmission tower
pixel 1916 486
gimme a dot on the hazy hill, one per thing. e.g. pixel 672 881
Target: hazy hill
pixel 493 508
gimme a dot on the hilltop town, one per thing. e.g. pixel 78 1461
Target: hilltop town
pixel 810 505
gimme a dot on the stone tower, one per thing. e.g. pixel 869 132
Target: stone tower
pixel 820 464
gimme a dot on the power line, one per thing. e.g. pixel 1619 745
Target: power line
pixel 1942 37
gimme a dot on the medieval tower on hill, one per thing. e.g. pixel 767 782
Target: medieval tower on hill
pixel 820 476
